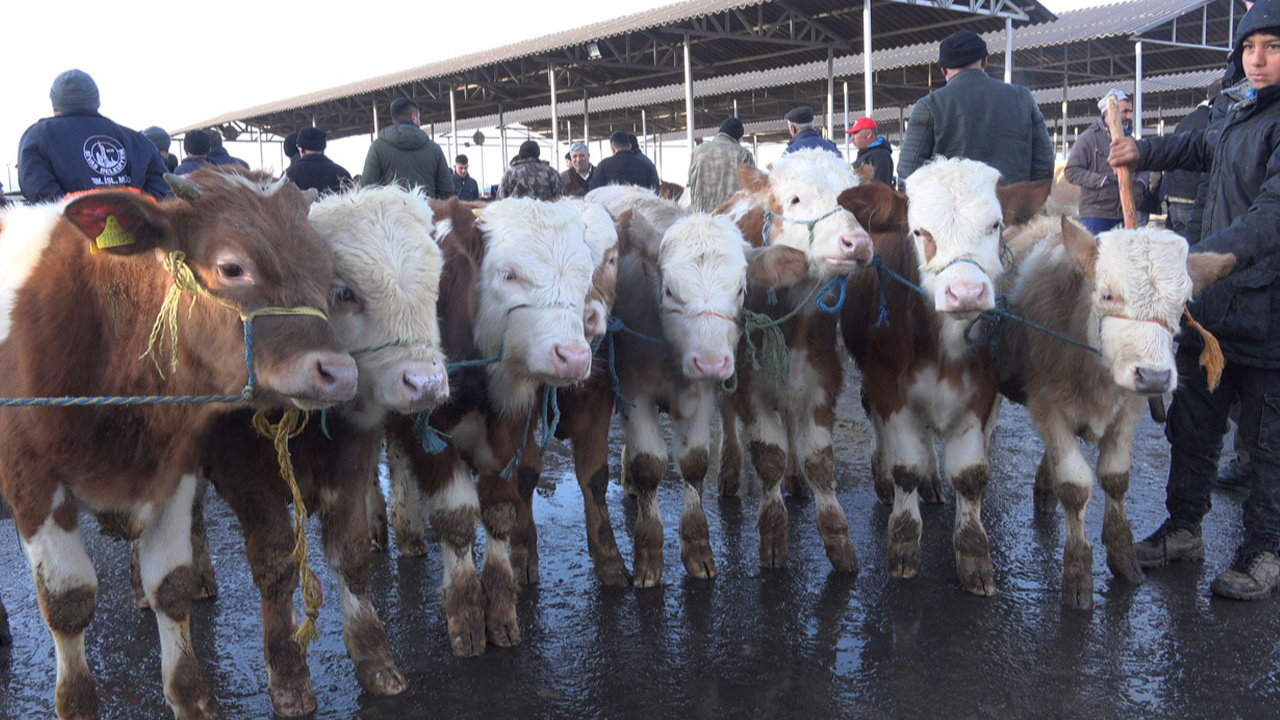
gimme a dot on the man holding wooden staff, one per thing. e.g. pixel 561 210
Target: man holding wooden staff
pixel 1241 216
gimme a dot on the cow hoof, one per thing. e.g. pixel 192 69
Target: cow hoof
pixel 1077 588
pixel 410 545
pixel 773 550
pixel 378 537
pixel 931 491
pixel 1124 565
pixel 844 559
pixel 141 602
pixel 648 567
pixel 207 589
pixel 200 710
pixel 293 701
pixel 976 574
pixel 1046 501
pixel 904 559
pixel 380 677
pixel 698 560
pixel 500 623
pixel 524 566
pixel 464 615
pixel 730 483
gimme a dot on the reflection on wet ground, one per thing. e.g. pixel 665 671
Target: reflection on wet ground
pixel 803 641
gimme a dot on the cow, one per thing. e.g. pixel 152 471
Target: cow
pixel 511 307
pixel 1122 293
pixel 921 375
pixel 383 308
pixel 82 282
pixel 794 204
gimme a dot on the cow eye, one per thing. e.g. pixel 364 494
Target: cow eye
pixel 230 271
pixel 795 200
pixel 510 276
pixel 667 291
pixel 997 226
pixel 1107 296
pixel 341 295
pixel 916 232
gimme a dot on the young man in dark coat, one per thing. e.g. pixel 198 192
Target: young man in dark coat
pixel 627 166
pixel 1241 216
pixel 804 135
pixel 531 177
pixel 1179 187
pixel 873 150
pixel 196 145
pixel 464 186
pixel 162 141
pixel 291 148
pixel 218 155
pixel 78 149
pixel 314 170
pixel 404 154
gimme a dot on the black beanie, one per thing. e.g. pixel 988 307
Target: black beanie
pixel 157 136
pixel 529 149
pixel 74 90
pixel 291 145
pixel 733 128
pixel 196 142
pixel 312 139
pixel 960 49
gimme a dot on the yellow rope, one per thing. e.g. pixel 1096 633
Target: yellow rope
pixel 290 426
pixel 1211 358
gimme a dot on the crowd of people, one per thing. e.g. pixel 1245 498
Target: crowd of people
pixel 1221 188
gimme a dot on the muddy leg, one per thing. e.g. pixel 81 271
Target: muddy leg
pixel 730 473
pixel 646 463
pixel 796 485
pixel 693 442
pixel 524 536
pixel 203 564
pixel 455 509
pixel 908 458
pixel 1114 461
pixel 591 463
pixel 768 445
pixel 164 554
pixel 881 470
pixel 408 512
pixel 499 500
pixel 931 485
pixel 65 586
pixel 6 638
pixel 811 443
pixel 1044 493
pixel 1075 484
pixel 966 464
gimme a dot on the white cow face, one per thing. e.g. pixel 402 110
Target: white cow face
pixel 536 272
pixel 703 269
pixel 602 239
pixel 955 218
pixel 803 187
pixel 383 301
pixel 1141 282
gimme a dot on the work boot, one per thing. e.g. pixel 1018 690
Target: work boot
pixel 1168 544
pixel 1251 576
pixel 1233 479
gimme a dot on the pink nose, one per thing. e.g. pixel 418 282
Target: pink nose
pixel 966 297
pixel 856 247
pixel 334 377
pixel 593 321
pixel 571 363
pixel 712 368
pixel 416 387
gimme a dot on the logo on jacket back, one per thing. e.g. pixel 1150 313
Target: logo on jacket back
pixel 105 155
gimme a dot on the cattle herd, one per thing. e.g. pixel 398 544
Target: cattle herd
pixel 457 338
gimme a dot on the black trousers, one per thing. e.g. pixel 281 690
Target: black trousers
pixel 1179 215
pixel 1196 424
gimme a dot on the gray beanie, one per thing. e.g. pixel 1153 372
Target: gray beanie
pixel 74 90
pixel 157 136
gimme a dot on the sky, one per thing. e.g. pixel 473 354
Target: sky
pixel 173 64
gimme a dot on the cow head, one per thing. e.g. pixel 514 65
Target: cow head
pixel 801 191
pixel 248 243
pixel 702 266
pixel 603 238
pixel 535 274
pixel 383 300
pixel 1139 283
pixel 956 214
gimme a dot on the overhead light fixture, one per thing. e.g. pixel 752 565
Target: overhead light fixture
pixel 593 51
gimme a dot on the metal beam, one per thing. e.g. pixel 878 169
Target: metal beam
pixel 866 57
pixel 688 95
pixel 555 124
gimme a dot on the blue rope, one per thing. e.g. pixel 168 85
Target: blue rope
pixel 840 284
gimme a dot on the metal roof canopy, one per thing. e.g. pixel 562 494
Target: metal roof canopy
pixel 634 53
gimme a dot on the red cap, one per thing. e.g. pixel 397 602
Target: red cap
pixel 863 124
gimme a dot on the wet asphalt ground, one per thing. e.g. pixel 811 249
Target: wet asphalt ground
pixel 799 643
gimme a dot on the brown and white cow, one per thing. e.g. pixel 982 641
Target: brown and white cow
pixel 76 323
pixel 383 309
pixel 513 288
pixel 921 377
pixel 796 413
pixel 1123 293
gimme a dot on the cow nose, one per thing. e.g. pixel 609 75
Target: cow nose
pixel 1151 380
pixel 965 297
pixel 593 321
pixel 570 363
pixel 856 247
pixel 712 368
pixel 419 386
pixel 335 377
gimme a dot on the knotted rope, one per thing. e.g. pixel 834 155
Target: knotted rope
pixel 1211 358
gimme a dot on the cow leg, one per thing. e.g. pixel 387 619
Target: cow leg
pixel 1044 492
pixel 794 476
pixel 408 512
pixel 881 469
pixel 375 507
pixel 170 581
pixel 345 527
pixel 499 500
pixel 693 443
pixel 1115 455
pixel 966 464
pixel 454 509
pixel 591 464
pixel 264 520
pixel 1074 486
pixel 768 445
pixel 730 473
pixel 931 484
pixel 908 457
pixel 66 585
pixel 812 446
pixel 646 462
pixel 524 535
pixel 200 559
pixel 6 638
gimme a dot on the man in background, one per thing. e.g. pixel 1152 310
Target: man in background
pixel 713 172
pixel 404 154
pixel 464 186
pixel 873 150
pixel 578 175
pixel 803 134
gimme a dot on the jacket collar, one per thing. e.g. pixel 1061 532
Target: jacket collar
pixel 727 138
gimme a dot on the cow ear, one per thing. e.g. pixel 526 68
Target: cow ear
pixel 1020 202
pixel 1208 267
pixel 877 207
pixel 467 237
pixel 867 172
pixel 622 226
pixel 1081 244
pixel 776 266
pixel 118 222
pixel 643 238
pixel 752 179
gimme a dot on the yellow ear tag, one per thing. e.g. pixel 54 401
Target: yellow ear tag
pixel 113 235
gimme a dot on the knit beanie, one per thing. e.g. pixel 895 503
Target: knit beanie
pixel 960 49
pixel 196 142
pixel 157 136
pixel 74 90
pixel 733 128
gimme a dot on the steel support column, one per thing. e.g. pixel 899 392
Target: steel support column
pixel 1137 90
pixel 453 128
pixel 831 93
pixel 1008 50
pixel 846 118
pixel 688 95
pixel 555 120
pixel 866 57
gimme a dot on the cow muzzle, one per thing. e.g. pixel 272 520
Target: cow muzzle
pixel 570 362
pixel 418 386
pixel 319 379
pixel 710 367
pixel 1152 380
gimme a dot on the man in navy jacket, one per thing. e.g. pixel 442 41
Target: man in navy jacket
pixel 803 135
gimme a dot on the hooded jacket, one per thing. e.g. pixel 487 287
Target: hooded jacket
pixel 318 172
pixel 404 154
pixel 1087 168
pixel 880 157
pixel 1241 152
pixel 625 167
pixel 811 139
pixel 713 172
pixel 83 150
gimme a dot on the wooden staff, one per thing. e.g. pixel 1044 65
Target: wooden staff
pixel 1124 175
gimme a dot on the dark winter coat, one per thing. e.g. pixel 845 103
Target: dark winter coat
pixel 531 178
pixel 625 167
pixel 810 139
pixel 86 151
pixel 466 188
pixel 880 157
pixel 1241 216
pixel 318 172
pixel 980 118
pixel 170 161
pixel 404 154
pixel 1088 169
pixel 1181 185
pixel 220 156
pixel 574 184
pixel 190 165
